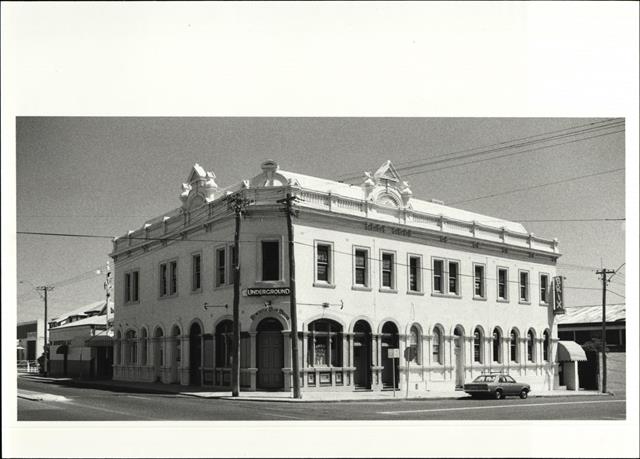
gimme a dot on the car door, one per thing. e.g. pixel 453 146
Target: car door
pixel 510 386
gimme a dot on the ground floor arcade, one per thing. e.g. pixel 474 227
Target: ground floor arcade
pixel 333 355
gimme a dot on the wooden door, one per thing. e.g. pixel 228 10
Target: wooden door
pixel 270 360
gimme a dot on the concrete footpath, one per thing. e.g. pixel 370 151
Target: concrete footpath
pixel 307 396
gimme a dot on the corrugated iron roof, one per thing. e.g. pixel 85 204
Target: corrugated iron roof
pixel 591 314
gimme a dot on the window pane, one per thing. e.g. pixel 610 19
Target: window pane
pixel 437 275
pixel 414 274
pixel 163 279
pixel 127 287
pixel 322 262
pixel 270 260
pixel 387 270
pixel 134 286
pixel 453 277
pixel 221 266
pixel 524 286
pixel 502 284
pixel 479 281
pixel 543 288
pixel 173 287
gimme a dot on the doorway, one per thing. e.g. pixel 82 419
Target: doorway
pixel 362 355
pixel 195 355
pixel 390 367
pixel 270 355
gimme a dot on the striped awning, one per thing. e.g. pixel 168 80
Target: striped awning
pixel 570 351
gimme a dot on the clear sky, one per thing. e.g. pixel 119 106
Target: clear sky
pixel 105 176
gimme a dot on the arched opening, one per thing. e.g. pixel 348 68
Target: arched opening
pixel 118 348
pixel 458 334
pixel 436 346
pixel 496 345
pixel 176 350
pixel 270 354
pixel 195 355
pixel 158 353
pixel 362 354
pixel 478 346
pixel 545 346
pixel 389 365
pixel 414 351
pixel 143 347
pixel 513 346
pixel 530 345
pixel 132 347
pixel 324 345
pixel 224 348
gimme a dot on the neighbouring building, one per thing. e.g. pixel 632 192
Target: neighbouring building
pixel 584 326
pixel 30 335
pixel 457 293
pixel 81 343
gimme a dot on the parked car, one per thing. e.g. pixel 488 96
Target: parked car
pixel 496 385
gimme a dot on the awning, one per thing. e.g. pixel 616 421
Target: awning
pixel 570 351
pixel 99 341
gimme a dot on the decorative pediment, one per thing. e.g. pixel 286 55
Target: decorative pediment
pixel 270 176
pixel 386 187
pixel 199 188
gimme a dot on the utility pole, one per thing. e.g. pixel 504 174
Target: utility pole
pixel 603 272
pixel 238 203
pixel 45 289
pixel 292 305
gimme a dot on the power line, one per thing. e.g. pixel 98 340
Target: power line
pixel 508 155
pixel 416 163
pixel 615 293
pixel 594 305
pixel 548 184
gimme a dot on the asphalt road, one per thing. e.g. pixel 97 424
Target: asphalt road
pixel 84 404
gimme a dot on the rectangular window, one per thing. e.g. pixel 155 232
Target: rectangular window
pixel 503 278
pixel 544 288
pixel 127 287
pixel 173 284
pixel 135 276
pixel 387 270
pixel 438 272
pixel 361 267
pixel 415 278
pixel 454 280
pixel 270 260
pixel 323 263
pixel 221 267
pixel 195 271
pixel 164 279
pixel 478 281
pixel 524 286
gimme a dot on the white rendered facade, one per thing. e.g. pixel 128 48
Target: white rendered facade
pixel 375 269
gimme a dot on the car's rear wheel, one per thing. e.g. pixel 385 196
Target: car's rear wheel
pixel 499 394
pixel 524 394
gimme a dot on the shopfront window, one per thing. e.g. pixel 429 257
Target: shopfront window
pixel 324 344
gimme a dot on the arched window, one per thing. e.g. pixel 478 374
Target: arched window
pixel 497 345
pixel 530 341
pixel 143 346
pixel 545 346
pixel 513 346
pixel 414 345
pixel 224 343
pixel 132 347
pixel 436 345
pixel 324 345
pixel 477 345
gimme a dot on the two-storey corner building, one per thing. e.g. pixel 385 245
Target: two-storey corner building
pixel 457 293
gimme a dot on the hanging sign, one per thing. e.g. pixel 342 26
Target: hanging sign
pixel 269 291
pixel 558 295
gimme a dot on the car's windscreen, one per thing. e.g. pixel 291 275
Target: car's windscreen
pixel 485 378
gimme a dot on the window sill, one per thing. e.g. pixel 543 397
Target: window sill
pixel 387 290
pixel 479 298
pixel 546 305
pixel 524 302
pixel 414 292
pixel 131 303
pixel 499 300
pixel 324 285
pixel 196 291
pixel 222 286
pixel 361 288
pixel 447 295
pixel 166 297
